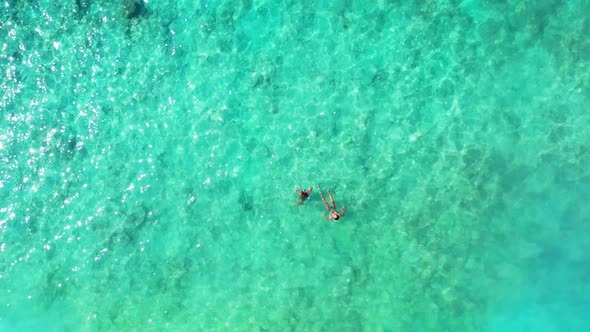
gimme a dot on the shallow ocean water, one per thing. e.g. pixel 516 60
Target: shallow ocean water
pixel 150 155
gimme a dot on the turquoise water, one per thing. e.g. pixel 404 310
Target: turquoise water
pixel 150 155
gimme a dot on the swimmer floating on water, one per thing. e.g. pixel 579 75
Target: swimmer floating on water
pixel 303 195
pixel 334 215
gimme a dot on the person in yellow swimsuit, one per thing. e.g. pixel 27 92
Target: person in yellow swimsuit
pixel 333 213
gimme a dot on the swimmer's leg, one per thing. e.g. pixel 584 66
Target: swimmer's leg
pixel 332 200
pixel 324 200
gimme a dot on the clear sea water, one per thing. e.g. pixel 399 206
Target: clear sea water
pixel 150 154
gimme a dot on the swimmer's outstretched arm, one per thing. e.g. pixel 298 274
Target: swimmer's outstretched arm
pixel 298 190
pixel 342 212
pixel 308 191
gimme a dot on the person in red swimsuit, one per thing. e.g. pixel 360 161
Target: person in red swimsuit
pixel 333 213
pixel 303 195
